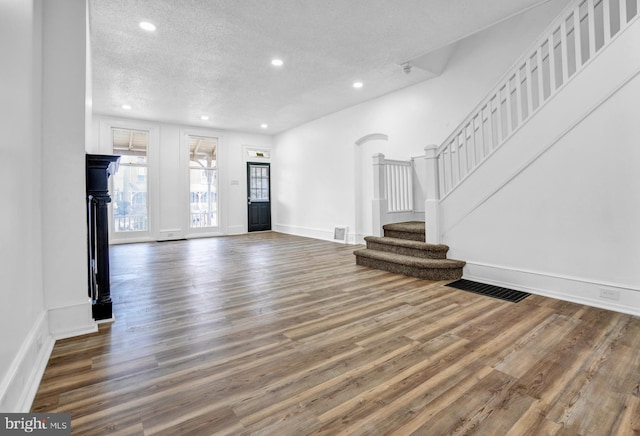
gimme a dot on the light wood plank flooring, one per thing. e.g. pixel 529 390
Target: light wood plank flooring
pixel 275 334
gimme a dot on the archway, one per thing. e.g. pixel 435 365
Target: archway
pixel 365 148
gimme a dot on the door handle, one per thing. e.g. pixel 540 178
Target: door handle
pixel 248 200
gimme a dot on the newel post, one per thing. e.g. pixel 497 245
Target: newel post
pixel 432 195
pixel 379 193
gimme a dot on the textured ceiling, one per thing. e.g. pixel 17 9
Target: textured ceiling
pixel 212 57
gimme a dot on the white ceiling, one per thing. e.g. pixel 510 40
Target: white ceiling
pixel 212 57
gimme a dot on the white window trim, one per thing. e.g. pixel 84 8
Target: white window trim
pixel 185 188
pixel 153 167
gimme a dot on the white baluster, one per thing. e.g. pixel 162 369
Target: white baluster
pixel 450 171
pixel 394 188
pixel 388 188
pixel 540 76
pixel 529 87
pixel 403 188
pixel 473 143
pixel 442 178
pixel 564 52
pixel 509 107
pixel 591 20
pixel 577 36
pixel 623 14
pixel 410 187
pixel 606 18
pixel 518 82
pixel 467 151
pixel 483 133
pixel 459 159
pixel 499 136
pixel 552 65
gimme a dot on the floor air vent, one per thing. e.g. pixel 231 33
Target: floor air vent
pixel 489 290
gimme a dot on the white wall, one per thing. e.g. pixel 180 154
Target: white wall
pixel 168 182
pixel 314 185
pixel 43 247
pixel 64 243
pixel 24 327
pixel 555 210
pixel 21 292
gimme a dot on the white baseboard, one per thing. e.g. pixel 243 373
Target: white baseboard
pixel 75 320
pixel 308 232
pixel 236 230
pixel 617 297
pixel 170 234
pixel 20 385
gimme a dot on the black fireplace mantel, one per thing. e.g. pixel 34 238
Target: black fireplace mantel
pixel 98 169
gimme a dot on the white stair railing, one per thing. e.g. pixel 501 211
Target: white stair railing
pixel 393 190
pixel 399 183
pixel 581 31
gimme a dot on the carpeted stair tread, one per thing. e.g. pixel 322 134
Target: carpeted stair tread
pixel 409 227
pixel 426 269
pixel 411 230
pixel 410 260
pixel 407 247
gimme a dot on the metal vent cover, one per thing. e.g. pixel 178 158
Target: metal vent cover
pixel 340 233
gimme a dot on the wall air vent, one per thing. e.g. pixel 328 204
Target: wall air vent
pixel 340 234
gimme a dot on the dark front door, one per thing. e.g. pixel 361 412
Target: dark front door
pixel 259 196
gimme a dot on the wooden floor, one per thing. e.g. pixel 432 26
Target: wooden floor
pixel 274 334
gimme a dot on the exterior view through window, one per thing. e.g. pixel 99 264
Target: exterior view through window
pixel 203 182
pixel 130 183
pixel 259 183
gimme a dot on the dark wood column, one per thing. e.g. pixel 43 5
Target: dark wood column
pixel 99 168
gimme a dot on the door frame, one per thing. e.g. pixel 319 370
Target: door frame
pixel 249 202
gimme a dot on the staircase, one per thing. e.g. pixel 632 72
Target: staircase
pixel 403 250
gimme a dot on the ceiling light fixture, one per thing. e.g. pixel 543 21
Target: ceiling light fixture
pixel 264 125
pixel 126 107
pixel 145 25
pixel 204 118
pixel 358 85
pixel 277 62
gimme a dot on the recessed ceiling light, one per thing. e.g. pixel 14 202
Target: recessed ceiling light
pixel 277 62
pixel 204 118
pixel 264 125
pixel 357 85
pixel 126 107
pixel 145 25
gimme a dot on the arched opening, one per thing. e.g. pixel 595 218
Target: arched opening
pixel 365 148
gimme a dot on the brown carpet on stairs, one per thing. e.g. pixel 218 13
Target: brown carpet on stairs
pixel 403 250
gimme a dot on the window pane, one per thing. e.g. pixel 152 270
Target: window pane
pixel 129 199
pixel 203 182
pixel 259 183
pixel 130 184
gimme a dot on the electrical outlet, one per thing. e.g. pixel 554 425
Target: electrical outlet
pixel 610 294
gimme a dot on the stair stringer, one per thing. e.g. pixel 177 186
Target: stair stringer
pixel 582 145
